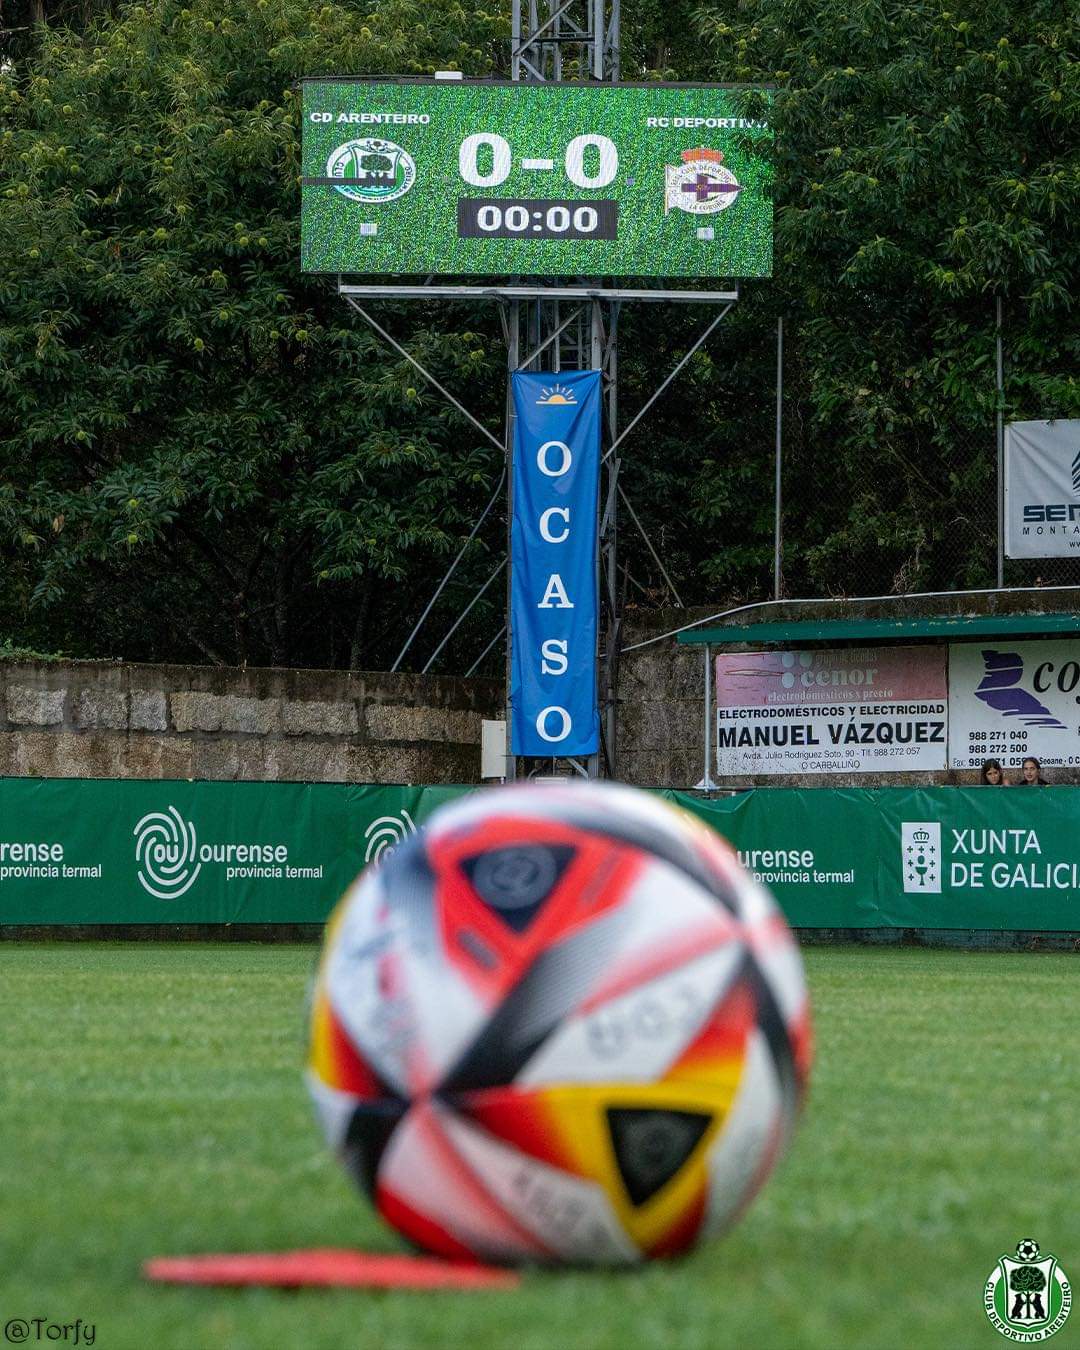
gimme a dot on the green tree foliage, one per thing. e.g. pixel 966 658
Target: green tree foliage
pixel 205 455
pixel 928 159
pixel 201 452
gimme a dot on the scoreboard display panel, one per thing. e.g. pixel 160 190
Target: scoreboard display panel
pixel 450 178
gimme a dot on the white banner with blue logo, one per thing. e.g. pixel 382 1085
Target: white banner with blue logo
pixel 1013 700
pixel 1042 489
pixel 553 556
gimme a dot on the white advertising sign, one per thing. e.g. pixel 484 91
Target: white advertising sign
pixel 857 710
pixel 1042 489
pixel 1008 700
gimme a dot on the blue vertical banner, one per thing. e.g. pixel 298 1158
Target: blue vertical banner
pixel 553 557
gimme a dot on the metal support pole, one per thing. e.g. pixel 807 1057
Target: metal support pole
pixel 656 393
pixel 708 717
pixel 656 295
pixel 609 531
pixel 461 617
pixel 393 342
pixel 606 580
pixel 573 38
pixel 649 545
pixel 515 40
pixel 480 659
pixel 1000 450
pixel 450 570
pixel 551 337
pixel 513 347
pixel 777 537
pixel 707 783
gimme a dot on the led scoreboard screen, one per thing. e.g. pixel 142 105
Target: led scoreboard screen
pixel 450 178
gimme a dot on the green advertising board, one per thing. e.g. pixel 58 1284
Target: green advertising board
pixel 465 177
pixel 110 851
pixel 910 857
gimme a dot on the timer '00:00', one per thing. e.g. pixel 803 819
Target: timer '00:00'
pixel 482 218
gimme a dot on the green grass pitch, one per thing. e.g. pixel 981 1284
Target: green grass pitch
pixel 151 1103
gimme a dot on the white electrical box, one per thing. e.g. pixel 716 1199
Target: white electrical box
pixel 493 749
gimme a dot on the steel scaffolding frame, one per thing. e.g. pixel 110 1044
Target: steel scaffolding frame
pixel 563 325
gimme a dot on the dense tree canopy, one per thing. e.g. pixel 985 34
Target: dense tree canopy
pixel 202 451
pixel 928 160
pixel 204 455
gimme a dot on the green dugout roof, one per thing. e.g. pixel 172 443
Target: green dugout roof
pixel 794 633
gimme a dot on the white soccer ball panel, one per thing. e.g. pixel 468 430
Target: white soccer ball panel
pixel 409 1012
pixel 636 1036
pixel 333 1108
pixel 749 1135
pixel 422 1167
pixel 571 1216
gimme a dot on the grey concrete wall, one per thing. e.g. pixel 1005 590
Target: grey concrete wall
pixel 662 685
pixel 111 720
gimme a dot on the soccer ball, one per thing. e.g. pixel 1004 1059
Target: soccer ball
pixel 561 1024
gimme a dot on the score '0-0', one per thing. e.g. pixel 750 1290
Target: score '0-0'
pixel 502 160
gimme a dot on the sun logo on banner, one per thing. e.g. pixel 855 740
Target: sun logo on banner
pixel 558 395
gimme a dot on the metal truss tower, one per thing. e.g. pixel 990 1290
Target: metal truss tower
pixel 555 324
pixel 577 39
pixel 553 41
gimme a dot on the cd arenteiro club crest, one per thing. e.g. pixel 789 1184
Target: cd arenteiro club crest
pixel 371 170
pixel 1027 1299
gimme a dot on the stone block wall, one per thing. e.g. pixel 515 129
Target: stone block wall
pixel 110 720
pixel 107 720
pixel 662 685
pixel 661 704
